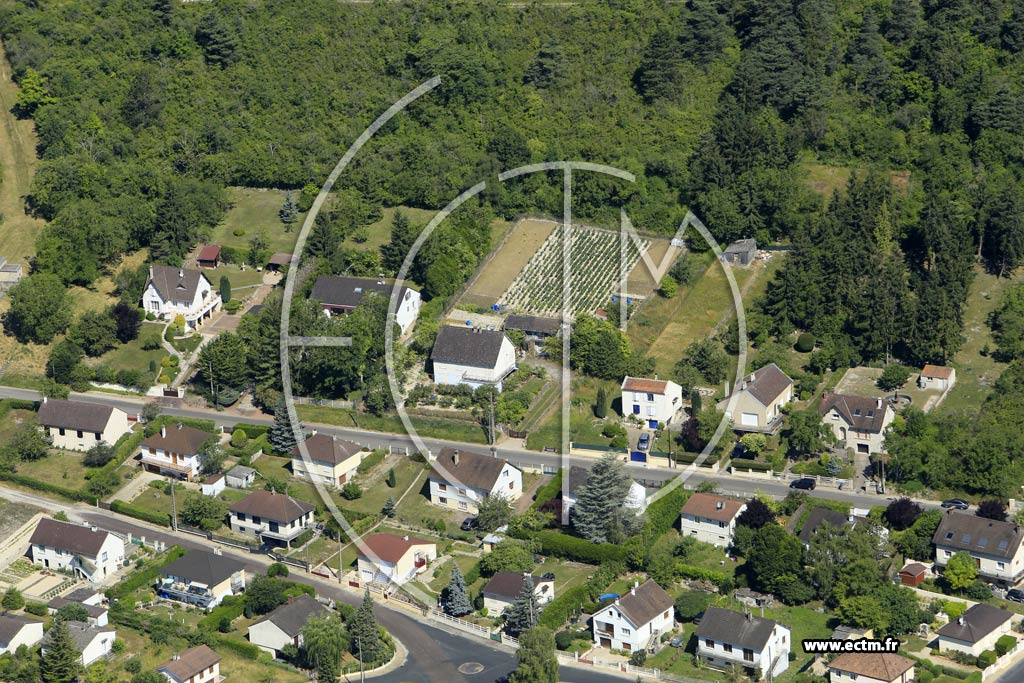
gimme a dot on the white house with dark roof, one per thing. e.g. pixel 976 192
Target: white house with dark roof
pixel 271 517
pixel 859 422
pixel 198 664
pixel 995 546
pixel 340 295
pixel 171 292
pixel 652 400
pixel 10 274
pixel 976 630
pixel 16 631
pixel 283 626
pixel 871 667
pixel 332 461
pixel 174 451
pixel 473 356
pixel 460 479
pixel 240 477
pixel 937 377
pixel 384 558
pixel 757 401
pixel 86 551
pixel 504 587
pixel 201 578
pixel 726 638
pixel 93 642
pixel 97 614
pixel 576 477
pixel 213 484
pixel 78 426
pixel 710 518
pixel 636 620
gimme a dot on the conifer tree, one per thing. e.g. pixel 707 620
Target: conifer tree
pixel 389 507
pixel 281 436
pixel 521 615
pixel 391 480
pixel 598 509
pixel 289 211
pixel 537 661
pixel 62 661
pixel 601 405
pixel 454 600
pixel 364 634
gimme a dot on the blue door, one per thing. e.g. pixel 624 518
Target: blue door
pixel 637 456
pixel 636 409
pixel 653 424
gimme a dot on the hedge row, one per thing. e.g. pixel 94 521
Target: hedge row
pixel 47 487
pixel 547 492
pixel 370 461
pixel 146 576
pixel 9 404
pixel 231 607
pixel 169 421
pixel 663 514
pixel 751 465
pixel 558 611
pixel 251 430
pixel 123 508
pixel 689 571
pixel 937 669
pixel 568 547
pixel 239 647
pixel 255 443
pixel 473 575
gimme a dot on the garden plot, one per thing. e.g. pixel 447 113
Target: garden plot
pixel 595 268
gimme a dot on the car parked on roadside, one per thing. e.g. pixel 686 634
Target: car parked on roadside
pixel 468 524
pixel 804 484
pixel 955 504
pixel 1015 595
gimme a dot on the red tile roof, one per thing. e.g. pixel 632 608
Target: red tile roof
pixel 211 252
pixel 652 386
pixel 711 506
pixel 391 547
pixel 937 371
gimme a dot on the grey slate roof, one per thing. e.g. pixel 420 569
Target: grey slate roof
pixel 819 516
pixel 740 246
pixel 191 662
pixel 644 602
pixel 89 417
pixel 469 346
pixel 976 623
pixel 203 567
pixel 532 323
pixel 175 284
pixel 765 384
pixel 472 469
pixel 178 438
pixel 93 611
pixel 11 625
pixel 74 538
pixel 347 292
pixel 278 507
pixel 241 472
pixel 966 531
pixel 863 413
pixel 81 632
pixel 735 628
pixel 327 448
pixel 506 584
pixel 293 615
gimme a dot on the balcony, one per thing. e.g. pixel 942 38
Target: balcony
pixel 191 595
pixel 162 464
pixel 283 533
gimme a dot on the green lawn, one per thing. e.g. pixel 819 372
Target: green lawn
pixel 59 467
pixel 584 426
pixel 12 422
pixel 376 492
pixel 132 355
pixel 237 276
pixel 254 211
pixel 380 231
pixel 156 500
pixel 431 427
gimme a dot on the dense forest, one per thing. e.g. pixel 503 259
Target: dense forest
pixel 147 109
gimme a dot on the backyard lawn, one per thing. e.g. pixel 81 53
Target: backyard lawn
pixel 254 211
pixel 156 499
pixel 431 427
pixel 59 467
pixel 131 355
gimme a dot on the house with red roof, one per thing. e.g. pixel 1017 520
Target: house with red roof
pixel 209 256
pixel 651 400
pixel 390 558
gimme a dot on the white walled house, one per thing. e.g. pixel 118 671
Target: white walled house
pixel 85 551
pixel 341 295
pixel 186 292
pixel 283 626
pixel 332 461
pixel 710 518
pixel 635 500
pixel 756 403
pixel 98 615
pixel 392 558
pixel 93 642
pixel 197 664
pixel 201 578
pixel 213 485
pixel 271 517
pixel 976 630
pixel 504 587
pixel 78 426
pixel 652 400
pixel 937 377
pixel 871 667
pixel 635 621
pixel 726 638
pixel 174 451
pixel 996 546
pixel 472 356
pixel 16 631
pixel 859 422
pixel 461 479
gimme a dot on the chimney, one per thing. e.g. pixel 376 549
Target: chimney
pixel 960 620
pixel 163 431
pixel 719 505
pixel 405 538
pixel 314 432
pixel 455 457
pixel 181 273
pixel 150 271
pixel 878 403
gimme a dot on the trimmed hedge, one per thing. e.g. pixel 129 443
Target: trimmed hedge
pixel 558 611
pixel 689 571
pixel 170 421
pixel 568 547
pixel 38 609
pixel 663 514
pixel 251 430
pixel 1005 644
pixel 123 508
pixel 239 647
pixel 751 465
pixel 370 461
pixel 146 576
pixel 547 492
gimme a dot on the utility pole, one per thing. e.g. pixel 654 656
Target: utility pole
pixel 174 509
pixel 362 673
pixel 494 451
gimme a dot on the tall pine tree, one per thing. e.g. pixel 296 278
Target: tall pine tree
pixel 522 614
pixel 280 435
pixel 62 661
pixel 454 600
pixel 402 237
pixel 365 642
pixel 598 512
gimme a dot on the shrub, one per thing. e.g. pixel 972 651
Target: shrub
pixel 238 232
pixel 13 599
pixel 548 491
pixel 38 609
pixel 239 438
pixel 351 491
pixel 369 462
pixel 563 640
pixel 805 342
pixel 277 569
pixel 232 306
pixel 1005 644
pixel 986 659
pixel 638 657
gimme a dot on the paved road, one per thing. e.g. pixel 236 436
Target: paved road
pixel 728 484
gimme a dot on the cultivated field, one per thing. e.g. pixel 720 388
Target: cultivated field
pixel 511 256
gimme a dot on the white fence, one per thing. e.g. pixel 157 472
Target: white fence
pixel 467 626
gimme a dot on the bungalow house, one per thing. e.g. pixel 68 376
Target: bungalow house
pixel 10 274
pixel 78 426
pixel 740 253
pixel 913 574
pixel 213 484
pixel 94 642
pixel 383 558
pixel 209 256
pixel 197 664
pixel 283 626
pixel 332 461
pixel 976 630
pixel 726 638
pixel 340 295
pixel 472 356
pixel 636 620
pixel 756 402
pixel 461 479
pixel 97 615
pixel 871 667
pixel 710 518
pixel 174 451
pixel 857 422
pixel 240 477
pixel 201 578
pixel 995 546
pixel 636 499
pixel 16 631
pixel 85 551
pixel 653 401
pixel 939 377
pixel 273 518
pixel 171 292
pixel 504 587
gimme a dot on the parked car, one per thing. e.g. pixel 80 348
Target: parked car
pixel 644 443
pixel 468 524
pixel 1015 594
pixel 548 576
pixel 804 484
pixel 956 504
pixel 677 641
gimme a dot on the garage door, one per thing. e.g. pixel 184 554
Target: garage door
pixel 749 419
